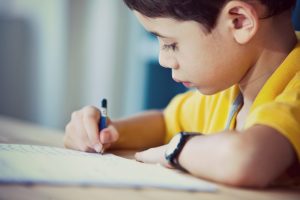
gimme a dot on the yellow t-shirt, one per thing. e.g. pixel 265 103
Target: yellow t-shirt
pixel 277 105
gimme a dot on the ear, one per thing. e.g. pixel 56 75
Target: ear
pixel 242 20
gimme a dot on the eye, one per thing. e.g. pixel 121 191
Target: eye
pixel 168 47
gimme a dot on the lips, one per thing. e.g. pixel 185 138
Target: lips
pixel 185 83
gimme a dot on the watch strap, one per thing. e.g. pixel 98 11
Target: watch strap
pixel 173 158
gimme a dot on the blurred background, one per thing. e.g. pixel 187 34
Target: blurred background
pixel 57 56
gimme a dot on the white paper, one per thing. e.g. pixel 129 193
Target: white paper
pixel 50 165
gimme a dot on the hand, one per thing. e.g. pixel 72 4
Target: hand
pixel 153 155
pixel 82 132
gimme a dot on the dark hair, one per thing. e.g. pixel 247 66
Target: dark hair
pixel 205 12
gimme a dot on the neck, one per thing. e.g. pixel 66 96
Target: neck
pixel 271 52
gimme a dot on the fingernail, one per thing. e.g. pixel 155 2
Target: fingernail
pixel 97 148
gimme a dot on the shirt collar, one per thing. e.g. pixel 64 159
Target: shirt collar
pixel 279 79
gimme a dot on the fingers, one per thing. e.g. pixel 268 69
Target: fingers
pixel 91 117
pixel 82 132
pixel 153 155
pixel 76 137
pixel 109 135
pixel 148 156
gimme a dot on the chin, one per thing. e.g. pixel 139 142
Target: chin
pixel 208 91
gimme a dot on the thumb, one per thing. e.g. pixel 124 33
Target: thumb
pixel 109 135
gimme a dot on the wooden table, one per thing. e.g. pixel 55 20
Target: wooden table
pixel 15 131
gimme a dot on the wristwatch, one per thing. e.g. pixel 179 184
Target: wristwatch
pixel 175 146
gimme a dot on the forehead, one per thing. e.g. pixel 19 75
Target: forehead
pixel 168 27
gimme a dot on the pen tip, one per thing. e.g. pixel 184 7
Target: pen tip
pixel 104 103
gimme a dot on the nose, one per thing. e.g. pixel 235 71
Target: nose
pixel 168 61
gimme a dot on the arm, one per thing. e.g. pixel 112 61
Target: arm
pixel 251 158
pixel 142 131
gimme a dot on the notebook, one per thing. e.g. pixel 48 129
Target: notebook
pixel 33 164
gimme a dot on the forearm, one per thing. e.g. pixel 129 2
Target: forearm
pixel 207 156
pixel 142 131
pixel 253 158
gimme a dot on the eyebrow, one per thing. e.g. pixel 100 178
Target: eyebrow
pixel 158 35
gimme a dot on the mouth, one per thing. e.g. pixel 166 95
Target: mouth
pixel 185 83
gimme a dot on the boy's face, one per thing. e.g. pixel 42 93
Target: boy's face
pixel 210 62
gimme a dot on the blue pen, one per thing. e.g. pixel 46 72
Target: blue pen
pixel 103 120
pixel 103 111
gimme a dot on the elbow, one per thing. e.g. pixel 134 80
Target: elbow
pixel 243 170
pixel 243 178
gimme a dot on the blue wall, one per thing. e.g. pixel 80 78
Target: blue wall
pixel 296 16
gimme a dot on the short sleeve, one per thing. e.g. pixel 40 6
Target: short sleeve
pixel 172 115
pixel 282 114
pixel 195 112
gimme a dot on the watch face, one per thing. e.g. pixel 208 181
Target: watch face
pixel 173 144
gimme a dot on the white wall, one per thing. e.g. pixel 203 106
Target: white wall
pixel 46 22
pixel 140 50
pixel 98 49
pixel 81 51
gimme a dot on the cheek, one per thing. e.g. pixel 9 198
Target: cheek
pixel 213 74
pixel 214 65
pixel 201 66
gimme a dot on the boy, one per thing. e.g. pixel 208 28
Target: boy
pixel 243 59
